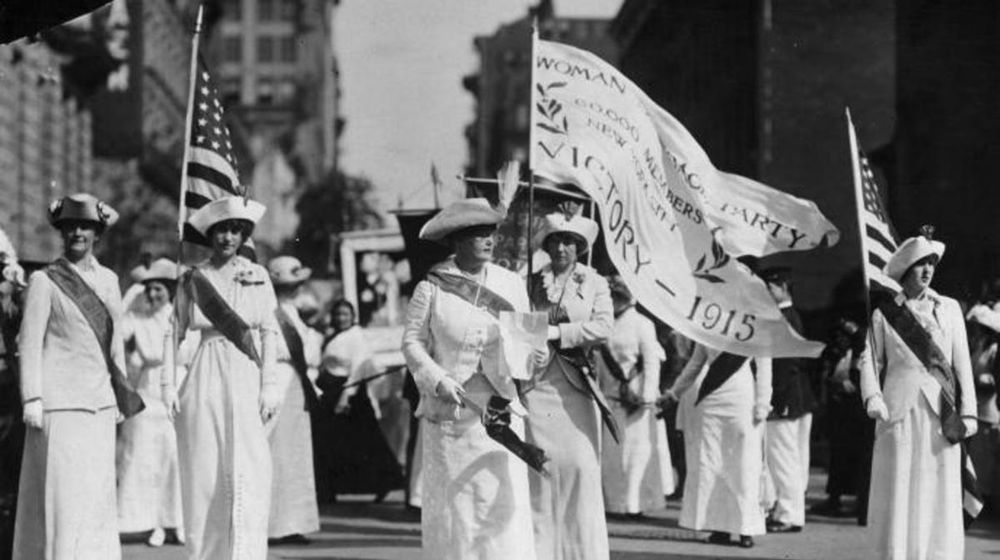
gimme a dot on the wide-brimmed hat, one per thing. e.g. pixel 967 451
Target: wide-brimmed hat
pixel 160 270
pixel 83 207
pixel 465 213
pixel 228 208
pixel 287 270
pixel 911 251
pixel 583 230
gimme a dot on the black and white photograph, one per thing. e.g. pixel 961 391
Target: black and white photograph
pixel 499 279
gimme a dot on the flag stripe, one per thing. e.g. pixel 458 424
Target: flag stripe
pixel 194 200
pixel 879 237
pixel 214 160
pixel 211 175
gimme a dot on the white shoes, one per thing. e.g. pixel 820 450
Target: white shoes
pixel 157 537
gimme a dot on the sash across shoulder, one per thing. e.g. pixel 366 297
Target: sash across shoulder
pixel 226 320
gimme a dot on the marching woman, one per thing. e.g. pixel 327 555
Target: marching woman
pixel 637 474
pixel 563 419
pixel 230 392
pixel 358 459
pixel 149 487
pixel 916 381
pixel 724 401
pixel 475 492
pixel 73 388
pixel 294 512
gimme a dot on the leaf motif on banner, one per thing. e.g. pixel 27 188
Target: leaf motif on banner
pixel 549 108
pixel 719 259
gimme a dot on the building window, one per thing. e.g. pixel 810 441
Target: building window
pixel 232 49
pixel 265 91
pixel 232 9
pixel 288 9
pixel 265 49
pixel 266 10
pixel 231 90
pixel 286 49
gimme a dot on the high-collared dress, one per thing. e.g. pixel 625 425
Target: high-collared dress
pixel 223 451
pixel 293 485
pixel 476 504
pixel 915 505
pixel 66 503
pixel 563 420
pixel 723 446
pixel 636 473
pixel 149 486
pixel 787 432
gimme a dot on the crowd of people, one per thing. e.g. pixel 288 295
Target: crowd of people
pixel 203 408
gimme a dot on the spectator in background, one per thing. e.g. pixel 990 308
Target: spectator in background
pixel 149 491
pixel 984 447
pixel 848 427
pixel 294 511
pixel 679 350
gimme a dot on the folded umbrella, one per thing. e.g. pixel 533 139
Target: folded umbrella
pixel 496 419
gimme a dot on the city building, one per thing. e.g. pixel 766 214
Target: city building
pixel 278 72
pixel 499 130
pixel 763 85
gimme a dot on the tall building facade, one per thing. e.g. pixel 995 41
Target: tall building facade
pixel 501 86
pixel 278 72
pixel 763 85
pixel 45 144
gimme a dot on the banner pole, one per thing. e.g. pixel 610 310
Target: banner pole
pixel 531 169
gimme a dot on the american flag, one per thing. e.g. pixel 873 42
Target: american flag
pixel 878 237
pixel 211 166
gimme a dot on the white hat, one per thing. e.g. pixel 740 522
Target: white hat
pixel 287 270
pixel 465 213
pixel 83 207
pixel 228 208
pixel 584 230
pixel 163 270
pixel 911 251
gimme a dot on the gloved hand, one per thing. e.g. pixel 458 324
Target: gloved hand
pixel 760 412
pixel 540 356
pixel 168 394
pixel 971 426
pixel 876 408
pixel 34 413
pixel 270 400
pixel 554 333
pixel 450 390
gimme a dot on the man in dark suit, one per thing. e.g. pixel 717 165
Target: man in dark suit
pixel 790 421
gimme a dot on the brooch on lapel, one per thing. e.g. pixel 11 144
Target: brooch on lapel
pixel 249 277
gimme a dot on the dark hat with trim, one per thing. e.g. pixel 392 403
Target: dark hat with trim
pixel 82 207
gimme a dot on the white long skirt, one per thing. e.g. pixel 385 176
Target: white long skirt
pixel 915 505
pixel 149 486
pixel 636 474
pixel 224 456
pixel 66 501
pixel 293 483
pixel 475 492
pixel 787 449
pixel 724 452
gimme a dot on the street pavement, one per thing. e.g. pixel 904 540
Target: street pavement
pixel 355 529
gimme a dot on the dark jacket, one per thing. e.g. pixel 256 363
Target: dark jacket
pixel 793 395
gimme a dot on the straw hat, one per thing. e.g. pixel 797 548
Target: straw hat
pixel 911 251
pixel 287 270
pixel 583 230
pixel 466 213
pixel 228 208
pixel 83 207
pixel 160 270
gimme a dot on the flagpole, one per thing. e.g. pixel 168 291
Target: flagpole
pixel 181 207
pixel 859 206
pixel 531 167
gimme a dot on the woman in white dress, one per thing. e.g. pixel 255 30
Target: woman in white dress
pixel 294 512
pixel 230 391
pixel 563 418
pixel 724 401
pixel 636 474
pixel 475 492
pixel 149 492
pixel 915 505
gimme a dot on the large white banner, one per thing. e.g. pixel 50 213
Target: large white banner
pixel 592 127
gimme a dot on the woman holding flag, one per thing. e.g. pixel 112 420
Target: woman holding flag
pixel 916 381
pixel 475 500
pixel 231 390
pixel 563 418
